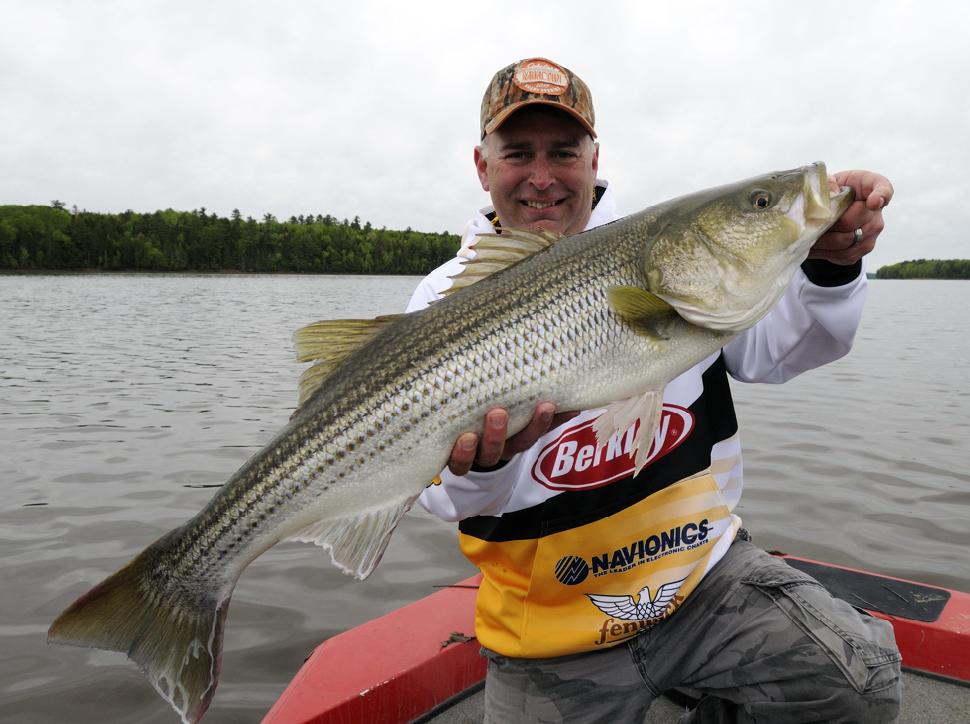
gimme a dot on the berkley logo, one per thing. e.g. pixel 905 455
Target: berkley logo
pixel 574 460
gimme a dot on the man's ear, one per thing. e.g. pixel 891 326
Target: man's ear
pixel 481 165
pixel 596 158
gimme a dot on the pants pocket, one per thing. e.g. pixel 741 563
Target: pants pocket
pixel 861 646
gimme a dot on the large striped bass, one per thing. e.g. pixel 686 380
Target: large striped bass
pixel 606 317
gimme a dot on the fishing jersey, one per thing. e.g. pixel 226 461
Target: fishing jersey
pixel 578 553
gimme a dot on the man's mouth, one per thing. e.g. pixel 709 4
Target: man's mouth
pixel 541 204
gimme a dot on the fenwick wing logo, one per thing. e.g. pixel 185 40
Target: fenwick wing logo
pixel 635 615
pixel 574 460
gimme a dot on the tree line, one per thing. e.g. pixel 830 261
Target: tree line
pixel 55 238
pixel 926 269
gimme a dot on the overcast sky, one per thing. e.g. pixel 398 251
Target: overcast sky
pixel 371 109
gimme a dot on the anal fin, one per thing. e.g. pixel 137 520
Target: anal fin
pixel 356 544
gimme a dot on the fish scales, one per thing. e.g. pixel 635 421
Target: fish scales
pixel 475 328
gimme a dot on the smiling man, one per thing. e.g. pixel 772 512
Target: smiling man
pixel 605 587
pixel 538 158
pixel 538 168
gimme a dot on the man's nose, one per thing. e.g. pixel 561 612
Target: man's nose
pixel 541 176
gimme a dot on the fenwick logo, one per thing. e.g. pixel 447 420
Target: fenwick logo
pixel 629 616
pixel 575 461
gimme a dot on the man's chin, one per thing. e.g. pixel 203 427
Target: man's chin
pixel 556 226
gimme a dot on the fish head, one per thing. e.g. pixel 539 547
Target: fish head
pixel 725 256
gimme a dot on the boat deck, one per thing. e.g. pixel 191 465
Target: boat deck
pixel 925 701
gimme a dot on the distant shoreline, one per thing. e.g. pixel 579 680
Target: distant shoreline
pixel 872 276
pixel 236 273
pixel 50 238
pixel 191 272
pixel 943 269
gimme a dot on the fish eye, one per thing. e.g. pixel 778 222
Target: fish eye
pixel 761 199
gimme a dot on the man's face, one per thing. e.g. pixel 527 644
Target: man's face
pixel 539 168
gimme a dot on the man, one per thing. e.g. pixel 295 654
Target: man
pixel 755 639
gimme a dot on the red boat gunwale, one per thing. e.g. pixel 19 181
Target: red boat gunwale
pixel 400 666
pixel 392 669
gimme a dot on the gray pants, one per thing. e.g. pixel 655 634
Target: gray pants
pixel 757 641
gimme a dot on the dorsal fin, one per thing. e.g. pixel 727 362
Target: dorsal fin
pixel 328 343
pixel 495 252
pixel 331 339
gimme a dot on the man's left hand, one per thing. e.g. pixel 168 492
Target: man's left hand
pixel 873 193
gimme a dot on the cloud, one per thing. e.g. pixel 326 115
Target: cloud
pixel 372 109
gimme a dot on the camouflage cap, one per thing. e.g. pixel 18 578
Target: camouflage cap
pixel 536 80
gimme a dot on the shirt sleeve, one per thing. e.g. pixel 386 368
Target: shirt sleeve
pixel 430 288
pixel 478 493
pixel 814 323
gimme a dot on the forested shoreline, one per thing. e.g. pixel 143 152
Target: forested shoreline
pixel 53 238
pixel 926 269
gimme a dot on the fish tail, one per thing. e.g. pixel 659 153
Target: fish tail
pixel 174 636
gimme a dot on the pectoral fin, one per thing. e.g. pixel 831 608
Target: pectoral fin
pixel 643 311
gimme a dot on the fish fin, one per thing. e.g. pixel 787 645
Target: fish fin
pixel 334 339
pixel 639 308
pixel 356 544
pixel 311 380
pixel 177 643
pixel 328 343
pixel 622 415
pixel 497 252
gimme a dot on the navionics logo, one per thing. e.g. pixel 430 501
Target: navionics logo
pixel 571 570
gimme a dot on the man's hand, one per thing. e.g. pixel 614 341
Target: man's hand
pixel 494 446
pixel 873 193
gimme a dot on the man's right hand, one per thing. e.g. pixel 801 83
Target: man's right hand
pixel 493 446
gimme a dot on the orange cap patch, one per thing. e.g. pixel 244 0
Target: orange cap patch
pixel 538 75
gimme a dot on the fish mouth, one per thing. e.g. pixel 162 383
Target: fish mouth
pixel 821 207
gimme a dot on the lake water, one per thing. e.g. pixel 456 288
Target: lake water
pixel 125 399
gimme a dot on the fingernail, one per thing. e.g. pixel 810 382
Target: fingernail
pixel 497 420
pixel 467 442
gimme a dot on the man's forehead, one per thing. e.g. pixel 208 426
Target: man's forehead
pixel 533 142
pixel 540 125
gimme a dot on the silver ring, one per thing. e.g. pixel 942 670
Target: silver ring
pixel 857 237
